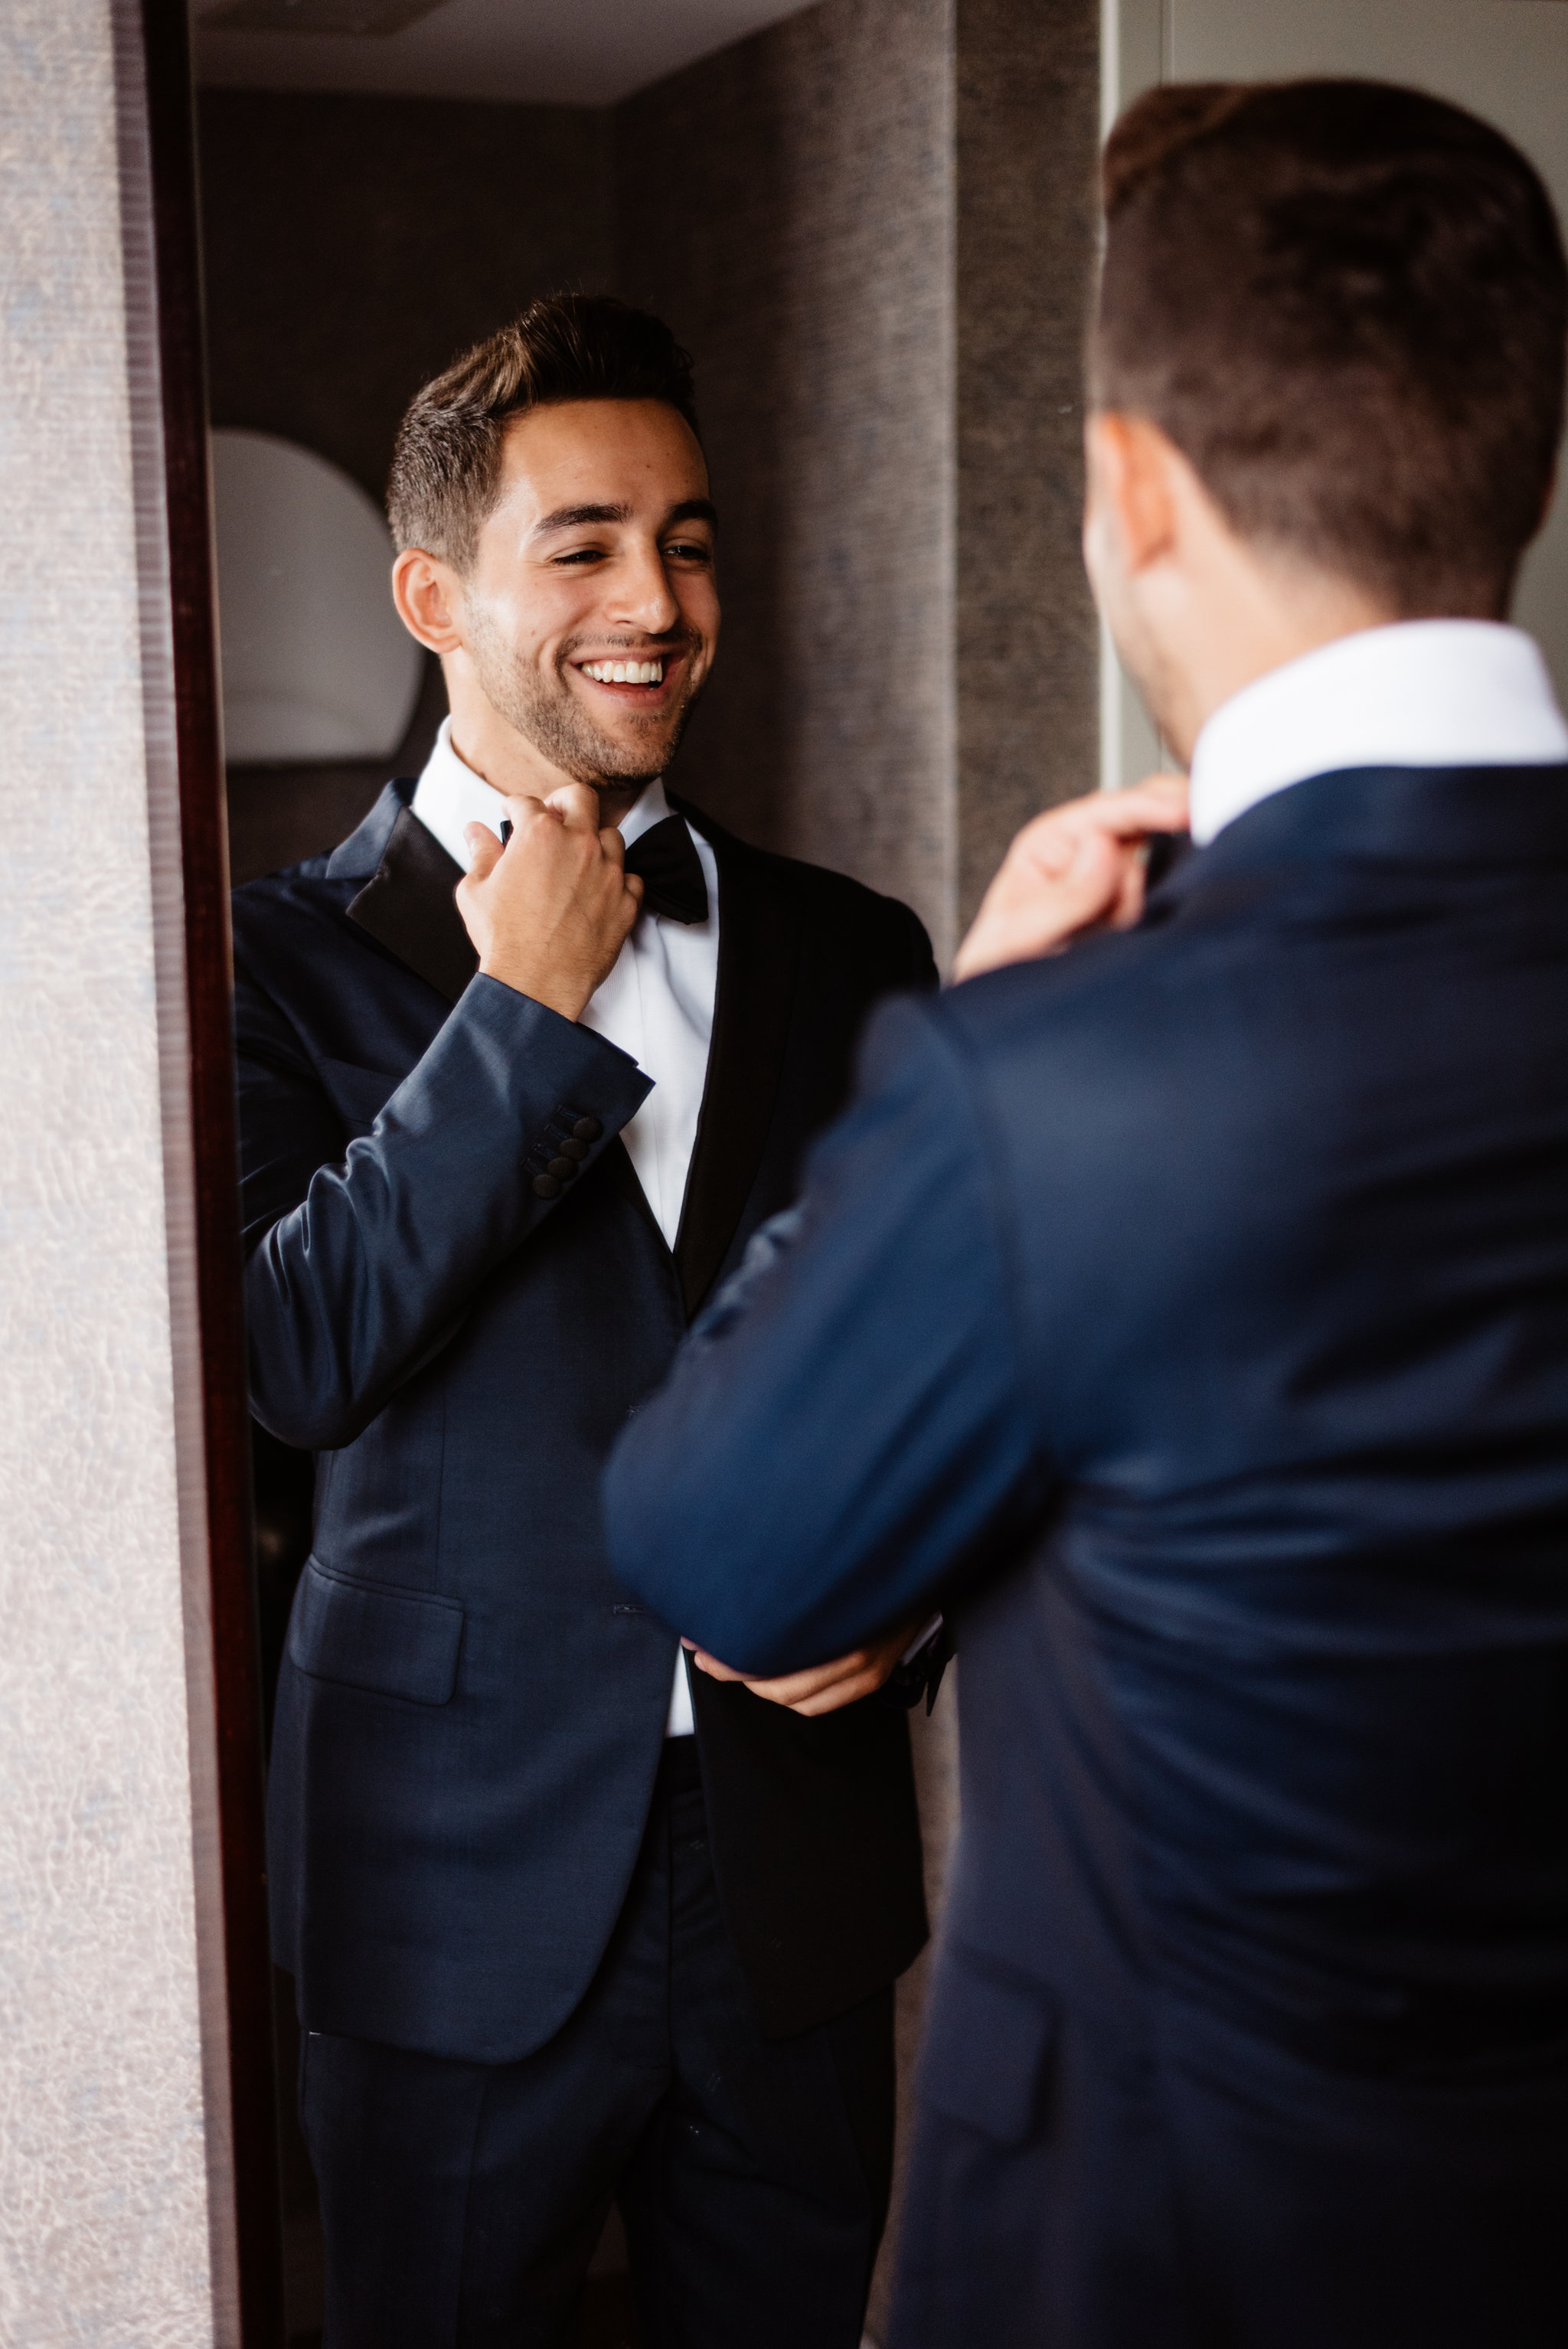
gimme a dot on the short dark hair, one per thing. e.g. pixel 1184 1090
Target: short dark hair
pixel 446 466
pixel 1346 303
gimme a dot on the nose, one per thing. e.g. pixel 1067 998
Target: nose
pixel 640 594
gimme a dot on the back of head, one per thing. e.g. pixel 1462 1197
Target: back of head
pixel 446 467
pixel 1346 305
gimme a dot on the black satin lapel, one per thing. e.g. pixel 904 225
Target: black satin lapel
pixel 758 953
pixel 408 905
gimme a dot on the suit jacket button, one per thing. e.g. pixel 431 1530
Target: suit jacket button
pixel 573 1148
pixel 588 1128
pixel 545 1186
pixel 562 1168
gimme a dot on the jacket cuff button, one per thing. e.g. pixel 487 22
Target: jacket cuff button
pixel 588 1128
pixel 545 1186
pixel 562 1168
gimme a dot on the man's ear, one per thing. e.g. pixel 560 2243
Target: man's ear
pixel 1131 482
pixel 427 596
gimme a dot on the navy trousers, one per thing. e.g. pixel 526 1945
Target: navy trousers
pixel 462 2202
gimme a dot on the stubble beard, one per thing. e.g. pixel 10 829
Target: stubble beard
pixel 548 714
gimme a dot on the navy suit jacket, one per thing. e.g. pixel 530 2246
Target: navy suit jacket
pixel 471 1708
pixel 1190 1312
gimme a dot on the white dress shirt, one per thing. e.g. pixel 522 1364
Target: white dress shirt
pixel 657 1005
pixel 1421 693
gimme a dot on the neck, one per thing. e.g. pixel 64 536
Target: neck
pixel 1247 619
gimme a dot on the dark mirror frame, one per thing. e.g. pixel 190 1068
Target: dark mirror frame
pixel 170 127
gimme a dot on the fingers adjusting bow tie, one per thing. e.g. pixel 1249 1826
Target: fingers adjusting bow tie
pixel 671 870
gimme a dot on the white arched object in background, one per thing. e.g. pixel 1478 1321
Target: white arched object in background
pixel 316 664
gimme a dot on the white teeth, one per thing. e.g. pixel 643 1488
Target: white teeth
pixel 624 672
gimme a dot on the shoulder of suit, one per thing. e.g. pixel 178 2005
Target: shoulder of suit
pixel 328 880
pixel 284 906
pixel 306 882
pixel 270 884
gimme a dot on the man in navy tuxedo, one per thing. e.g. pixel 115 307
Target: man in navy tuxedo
pixel 567 1918
pixel 1188 1311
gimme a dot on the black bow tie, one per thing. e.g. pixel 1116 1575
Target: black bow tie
pixel 673 883
pixel 671 870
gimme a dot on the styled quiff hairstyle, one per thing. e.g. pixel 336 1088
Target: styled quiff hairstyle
pixel 1346 305
pixel 446 467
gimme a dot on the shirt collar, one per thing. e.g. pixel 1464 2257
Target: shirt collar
pixel 1421 693
pixel 449 795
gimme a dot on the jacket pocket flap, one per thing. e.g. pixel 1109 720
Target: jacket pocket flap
pixel 986 2049
pixel 396 1642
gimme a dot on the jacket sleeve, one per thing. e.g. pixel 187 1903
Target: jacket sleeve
pixel 844 1438
pixel 361 1262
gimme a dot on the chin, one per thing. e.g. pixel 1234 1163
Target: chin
pixel 639 756
pixel 623 763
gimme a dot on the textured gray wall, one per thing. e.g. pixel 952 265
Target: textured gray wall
pixel 789 205
pixel 1027 647
pixel 108 2231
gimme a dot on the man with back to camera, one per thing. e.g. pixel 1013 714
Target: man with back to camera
pixel 479 1209
pixel 1211 1284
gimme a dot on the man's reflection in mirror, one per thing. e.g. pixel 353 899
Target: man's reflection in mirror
pixel 573 1914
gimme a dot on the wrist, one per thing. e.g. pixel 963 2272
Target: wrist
pixel 556 993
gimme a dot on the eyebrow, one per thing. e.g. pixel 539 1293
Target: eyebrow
pixel 575 517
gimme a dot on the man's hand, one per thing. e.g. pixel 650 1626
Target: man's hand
pixel 549 912
pixel 825 1687
pixel 1076 868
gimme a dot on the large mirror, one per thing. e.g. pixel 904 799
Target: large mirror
pixel 483 1769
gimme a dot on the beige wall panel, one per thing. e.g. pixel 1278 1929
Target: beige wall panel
pixel 103 2222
